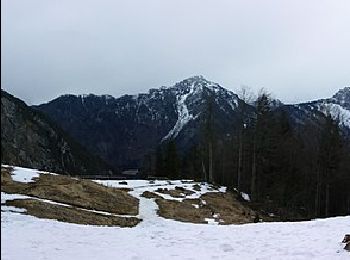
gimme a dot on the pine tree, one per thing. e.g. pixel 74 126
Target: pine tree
pixel 261 144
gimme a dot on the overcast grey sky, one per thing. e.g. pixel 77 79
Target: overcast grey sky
pixel 297 49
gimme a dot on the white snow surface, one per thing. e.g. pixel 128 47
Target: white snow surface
pixel 24 174
pixel 339 113
pixel 27 237
pixel 233 103
pixel 245 196
pixel 336 111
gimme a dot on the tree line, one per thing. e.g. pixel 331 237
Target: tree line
pixel 295 170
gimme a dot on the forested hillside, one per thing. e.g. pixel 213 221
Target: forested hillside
pixel 294 169
pixel 292 159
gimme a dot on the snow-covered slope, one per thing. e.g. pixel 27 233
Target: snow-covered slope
pixel 337 112
pixel 27 237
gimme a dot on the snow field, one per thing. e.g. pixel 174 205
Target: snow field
pixel 27 237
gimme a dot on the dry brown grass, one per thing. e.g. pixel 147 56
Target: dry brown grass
pixel 176 193
pixel 7 184
pixel 41 209
pixel 230 210
pixel 181 211
pixel 192 201
pixel 82 193
pixel 224 206
pixel 150 195
pixel 196 187
pixel 78 193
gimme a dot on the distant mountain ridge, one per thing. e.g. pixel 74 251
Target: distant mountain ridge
pixel 124 130
pixel 337 106
pixel 342 97
pixel 30 139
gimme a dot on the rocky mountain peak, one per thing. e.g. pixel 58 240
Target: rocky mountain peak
pixel 342 97
pixel 197 83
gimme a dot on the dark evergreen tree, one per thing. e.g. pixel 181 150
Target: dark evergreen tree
pixel 159 171
pixel 329 159
pixel 171 162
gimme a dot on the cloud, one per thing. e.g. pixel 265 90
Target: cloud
pixel 296 49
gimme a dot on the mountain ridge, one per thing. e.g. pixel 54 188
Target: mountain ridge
pixel 29 138
pixel 124 130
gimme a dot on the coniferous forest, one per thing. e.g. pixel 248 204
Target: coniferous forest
pixel 298 171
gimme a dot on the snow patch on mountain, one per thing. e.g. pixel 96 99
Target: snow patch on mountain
pixel 183 115
pixel 342 97
pixel 337 112
pixel 233 103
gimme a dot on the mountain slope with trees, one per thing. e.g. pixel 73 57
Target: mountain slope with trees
pixel 293 160
pixel 30 139
pixel 125 131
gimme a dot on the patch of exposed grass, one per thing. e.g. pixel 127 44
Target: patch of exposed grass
pixel 150 195
pixel 78 193
pixel 182 211
pixel 196 187
pixel 176 193
pixel 83 193
pixel 223 207
pixel 228 208
pixel 61 213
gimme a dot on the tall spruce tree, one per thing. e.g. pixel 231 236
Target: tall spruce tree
pixel 261 145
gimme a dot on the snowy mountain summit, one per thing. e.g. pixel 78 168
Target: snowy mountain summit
pixel 191 94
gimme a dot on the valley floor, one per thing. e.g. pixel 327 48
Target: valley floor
pixel 27 237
